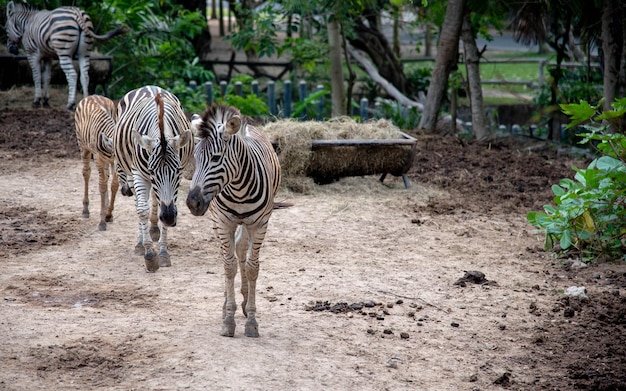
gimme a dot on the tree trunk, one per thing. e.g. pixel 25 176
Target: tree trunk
pixel 472 65
pixel 444 62
pixel 336 72
pixel 371 40
pixel 611 47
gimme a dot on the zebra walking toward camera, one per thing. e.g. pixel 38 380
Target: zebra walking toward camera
pixel 64 32
pixel 95 126
pixel 153 143
pixel 236 178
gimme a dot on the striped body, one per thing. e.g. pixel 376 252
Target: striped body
pixel 236 178
pixel 95 126
pixel 61 33
pixel 152 143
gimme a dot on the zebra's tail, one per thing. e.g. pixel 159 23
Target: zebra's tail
pixel 110 34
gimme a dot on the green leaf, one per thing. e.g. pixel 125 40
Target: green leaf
pixel 558 190
pixel 578 112
pixel 548 243
pixel 566 240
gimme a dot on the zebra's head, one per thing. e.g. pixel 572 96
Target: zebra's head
pixel 215 165
pixel 164 164
pixel 17 14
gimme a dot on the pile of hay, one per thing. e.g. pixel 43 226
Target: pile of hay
pixel 293 140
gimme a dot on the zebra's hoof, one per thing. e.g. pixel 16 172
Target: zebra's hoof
pixel 228 327
pixel 164 259
pixel 108 218
pixel 139 250
pixel 102 226
pixel 252 329
pixel 152 266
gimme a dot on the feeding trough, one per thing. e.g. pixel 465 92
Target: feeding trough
pixel 328 151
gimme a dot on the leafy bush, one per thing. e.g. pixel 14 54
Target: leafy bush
pixel 157 48
pixel 589 215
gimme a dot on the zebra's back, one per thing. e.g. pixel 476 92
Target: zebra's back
pixel 137 111
pixel 95 116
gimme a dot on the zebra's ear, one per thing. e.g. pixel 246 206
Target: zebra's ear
pixel 196 121
pixel 146 142
pixel 181 139
pixel 10 9
pixel 233 125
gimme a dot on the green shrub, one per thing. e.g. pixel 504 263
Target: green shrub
pixel 588 217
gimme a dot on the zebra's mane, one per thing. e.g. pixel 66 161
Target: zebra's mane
pixel 24 7
pixel 160 108
pixel 214 115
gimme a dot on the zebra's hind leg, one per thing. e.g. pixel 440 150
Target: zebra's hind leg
pixel 103 184
pixel 86 156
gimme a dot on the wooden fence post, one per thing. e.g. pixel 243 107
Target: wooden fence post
pixel 239 88
pixel 271 96
pixel 363 107
pixel 320 104
pixel 208 88
pixel 287 110
pixel 302 89
pixel 223 88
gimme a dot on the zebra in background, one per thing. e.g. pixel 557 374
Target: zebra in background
pixel 153 143
pixel 64 32
pixel 95 126
pixel 236 178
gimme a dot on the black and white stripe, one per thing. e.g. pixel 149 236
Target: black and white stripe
pixel 95 126
pixel 153 143
pixel 64 32
pixel 236 178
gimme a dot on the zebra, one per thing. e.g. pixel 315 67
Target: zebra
pixel 153 143
pixel 64 32
pixel 94 119
pixel 236 178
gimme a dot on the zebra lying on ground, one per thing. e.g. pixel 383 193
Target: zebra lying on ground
pixel 64 32
pixel 95 126
pixel 236 178
pixel 153 143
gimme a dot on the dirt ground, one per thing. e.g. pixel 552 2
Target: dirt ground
pixel 356 290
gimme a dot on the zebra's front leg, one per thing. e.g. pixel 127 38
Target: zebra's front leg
pixel 230 306
pixel 241 250
pixel 72 77
pixel 252 273
pixel 142 190
pixel 35 66
pixel 164 256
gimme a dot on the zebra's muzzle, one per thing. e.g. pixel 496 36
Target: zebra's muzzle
pixel 196 203
pixel 14 48
pixel 168 214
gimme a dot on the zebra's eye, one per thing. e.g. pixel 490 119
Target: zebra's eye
pixel 215 158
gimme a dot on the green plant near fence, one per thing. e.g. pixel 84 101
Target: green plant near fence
pixel 588 217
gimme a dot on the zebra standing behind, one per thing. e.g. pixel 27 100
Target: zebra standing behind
pixel 64 32
pixel 236 178
pixel 152 144
pixel 95 126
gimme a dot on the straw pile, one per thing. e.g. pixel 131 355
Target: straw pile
pixel 293 140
